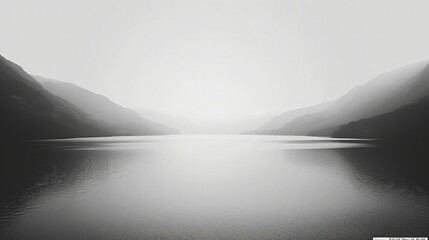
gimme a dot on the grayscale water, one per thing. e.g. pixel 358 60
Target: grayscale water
pixel 213 187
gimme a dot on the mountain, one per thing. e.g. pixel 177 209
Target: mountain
pixel 29 111
pixel 190 126
pixel 286 117
pixel 101 108
pixel 407 124
pixel 382 94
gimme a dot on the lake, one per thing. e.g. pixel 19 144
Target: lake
pixel 212 187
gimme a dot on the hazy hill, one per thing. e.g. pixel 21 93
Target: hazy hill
pixel 280 120
pixel 103 109
pixel 382 94
pixel 28 111
pixel 189 126
pixel 408 124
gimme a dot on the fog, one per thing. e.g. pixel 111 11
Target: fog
pixel 214 61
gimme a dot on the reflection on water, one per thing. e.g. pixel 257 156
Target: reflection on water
pixel 212 187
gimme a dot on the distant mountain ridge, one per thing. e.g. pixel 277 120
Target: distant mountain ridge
pixel 382 94
pixel 103 109
pixel 189 126
pixel 29 111
pixel 286 117
pixel 408 124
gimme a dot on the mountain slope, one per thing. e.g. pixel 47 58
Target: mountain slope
pixel 408 124
pixel 383 94
pixel 189 126
pixel 28 111
pixel 286 117
pixel 103 109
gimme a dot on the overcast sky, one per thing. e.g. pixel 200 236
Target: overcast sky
pixel 214 60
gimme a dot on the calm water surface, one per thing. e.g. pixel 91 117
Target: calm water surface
pixel 212 187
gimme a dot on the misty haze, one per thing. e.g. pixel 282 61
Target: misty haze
pixel 214 119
